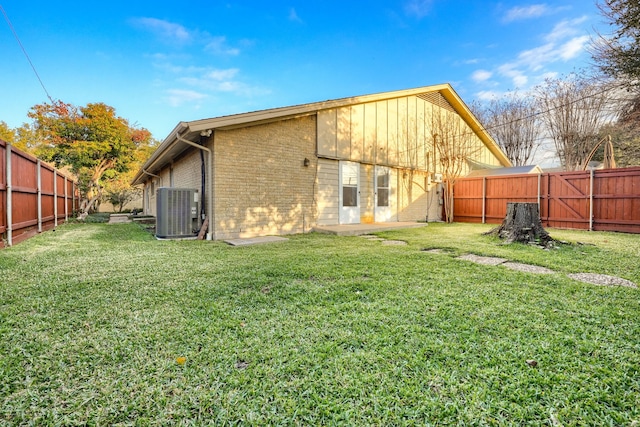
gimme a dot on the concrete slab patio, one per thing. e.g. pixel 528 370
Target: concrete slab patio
pixel 360 229
pixel 255 240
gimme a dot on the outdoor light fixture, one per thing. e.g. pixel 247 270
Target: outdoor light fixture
pixel 306 162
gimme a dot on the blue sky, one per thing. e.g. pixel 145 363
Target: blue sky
pixel 161 62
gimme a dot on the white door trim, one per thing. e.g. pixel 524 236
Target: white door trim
pixel 382 201
pixel 349 191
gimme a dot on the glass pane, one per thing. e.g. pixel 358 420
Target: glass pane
pixel 349 174
pixel 383 179
pixel 383 197
pixel 349 196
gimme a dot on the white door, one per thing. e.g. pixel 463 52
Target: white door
pixel 382 188
pixel 349 193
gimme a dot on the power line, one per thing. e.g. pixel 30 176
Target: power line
pixel 15 34
pixel 486 129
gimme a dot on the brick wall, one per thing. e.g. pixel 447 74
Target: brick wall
pixel 414 201
pixel 261 184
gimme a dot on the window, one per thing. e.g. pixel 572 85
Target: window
pixel 350 185
pixel 382 187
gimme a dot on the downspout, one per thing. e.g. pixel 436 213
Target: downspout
pixel 144 171
pixel 209 173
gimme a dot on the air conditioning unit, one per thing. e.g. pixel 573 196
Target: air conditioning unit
pixel 177 212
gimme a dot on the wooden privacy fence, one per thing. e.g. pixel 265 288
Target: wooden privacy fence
pixel 603 200
pixel 34 196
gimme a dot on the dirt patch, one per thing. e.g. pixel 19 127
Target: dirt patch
pixel 602 279
pixel 432 251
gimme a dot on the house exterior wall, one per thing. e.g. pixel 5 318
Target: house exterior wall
pixel 184 172
pixel 261 184
pixel 395 132
pixel 328 192
pixel 399 133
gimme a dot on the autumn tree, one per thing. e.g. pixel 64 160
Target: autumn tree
pixel 513 123
pixel 6 133
pixel 118 190
pixel 92 140
pixel 617 55
pixel 573 110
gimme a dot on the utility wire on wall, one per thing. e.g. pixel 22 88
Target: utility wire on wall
pixel 15 34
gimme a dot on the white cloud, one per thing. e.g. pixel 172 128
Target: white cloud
pixel 418 8
pixel 534 59
pixel 293 16
pixel 222 74
pixel 518 78
pixel 573 47
pixel 178 97
pixel 215 80
pixel 520 13
pixel 562 44
pixel 481 75
pixel 166 30
pixel 564 29
pixel 488 95
pixel 218 46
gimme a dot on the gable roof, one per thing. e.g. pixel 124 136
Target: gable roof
pixel 173 145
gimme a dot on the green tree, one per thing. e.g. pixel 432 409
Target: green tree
pixel 26 138
pixel 96 143
pixel 618 54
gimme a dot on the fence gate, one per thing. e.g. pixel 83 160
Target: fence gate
pixel 565 200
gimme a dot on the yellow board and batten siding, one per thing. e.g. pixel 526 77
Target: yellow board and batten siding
pixel 395 133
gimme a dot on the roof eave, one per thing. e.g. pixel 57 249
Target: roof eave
pixel 454 99
pixel 158 154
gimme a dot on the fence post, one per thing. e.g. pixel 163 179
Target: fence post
pixel 66 208
pixel 73 198
pixel 484 199
pixel 55 197
pixel 39 190
pixel 9 196
pixel 539 189
pixel 591 200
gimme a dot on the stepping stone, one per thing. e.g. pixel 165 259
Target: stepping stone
pixel 602 279
pixel 485 260
pixel 527 268
pixel 394 243
pixel 432 251
pixel 119 219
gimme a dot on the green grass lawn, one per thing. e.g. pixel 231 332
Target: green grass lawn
pixel 319 330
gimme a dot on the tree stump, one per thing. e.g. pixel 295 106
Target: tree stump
pixel 522 224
